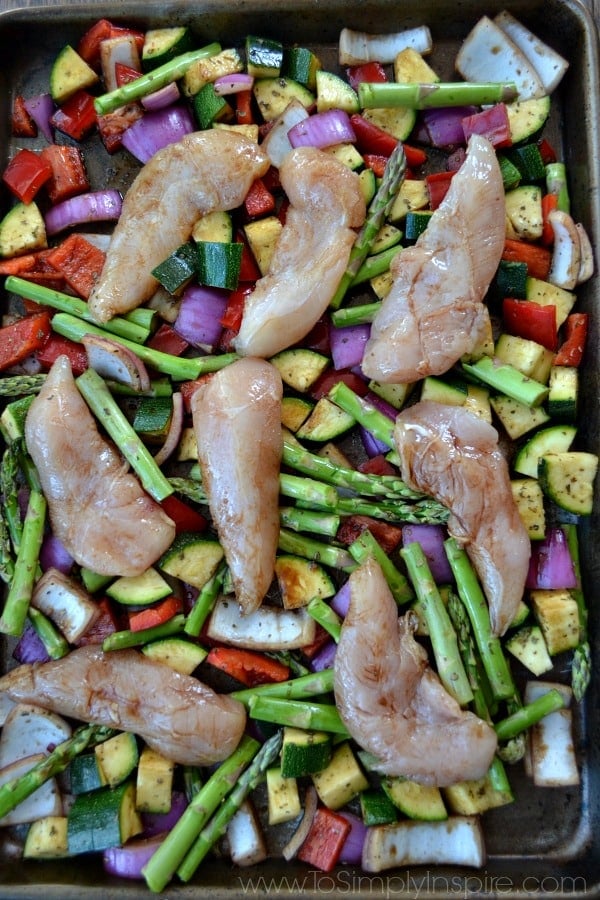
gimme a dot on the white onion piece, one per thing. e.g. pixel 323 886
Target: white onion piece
pixel 246 841
pixel 175 429
pixel 359 46
pixel 586 265
pixel 457 840
pixel 268 628
pixel 165 96
pixel 46 801
pixel 277 143
pixel 549 65
pixel 566 252
pixel 299 836
pixel 66 602
pixel 116 362
pixel 30 729
pixel 121 49
pixel 552 761
pixel 233 84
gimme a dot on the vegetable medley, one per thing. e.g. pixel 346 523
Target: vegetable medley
pixel 297 781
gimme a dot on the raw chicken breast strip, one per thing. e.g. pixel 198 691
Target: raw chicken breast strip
pixel 203 172
pixel 433 313
pixel 392 702
pixel 97 508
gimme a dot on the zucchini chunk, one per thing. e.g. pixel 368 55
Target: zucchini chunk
pixel 568 479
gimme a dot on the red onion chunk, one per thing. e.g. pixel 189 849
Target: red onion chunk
pixel 351 853
pixel 233 84
pixel 324 658
pixel 200 313
pixel 158 823
pixel 491 123
pixel 341 601
pixel 348 345
pixel 444 125
pixel 114 361
pixel 95 206
pixel 165 96
pixel 129 860
pixel 41 109
pixel 156 130
pixel 324 129
pixel 53 555
pixel 431 538
pixel 30 648
pixel 551 565
pixel 372 445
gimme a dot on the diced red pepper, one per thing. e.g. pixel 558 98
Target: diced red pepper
pixel 79 262
pixel 113 125
pixel 244 109
pixel 547 152
pixel 167 340
pixel 437 184
pixel 377 465
pixel 492 123
pixel 125 74
pixel 188 388
pixel 370 138
pixel 69 176
pixel 17 265
pixel 155 615
pixel 319 337
pixel 21 123
pixel 226 339
pixel 325 839
pixel 22 338
pixel 370 72
pixel 76 117
pixel 234 311
pixel 376 163
pixel 26 173
pixel 322 637
pixel 387 535
pixel 56 346
pixel 183 515
pixel 531 321
pixel 52 280
pixel 572 348
pixel 249 270
pixel 549 203
pixel 537 258
pixel 325 382
pixel 106 623
pixel 259 200
pixel 247 666
pixel 415 157
pixel 89 45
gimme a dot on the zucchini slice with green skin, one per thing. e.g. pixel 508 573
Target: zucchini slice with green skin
pixel 192 558
pixel 163 44
pixel 139 590
pixel 558 617
pixel 300 580
pixel 300 367
pixel 335 93
pixel 84 773
pixel 274 94
pixel 471 798
pixel 70 73
pixel 568 479
pixel 341 780
pixel 219 263
pixel 154 782
pixel 47 838
pixel 529 498
pixel 181 655
pixel 117 758
pixel 376 808
pixel 102 819
pixel 304 752
pixel 563 392
pixel 529 647
pixel 555 439
pixel 326 422
pixel 283 797
pixel 417 801
pixel 527 117
pixel 264 57
pixel 22 230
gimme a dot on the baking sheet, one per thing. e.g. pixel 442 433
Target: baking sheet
pixel 548 841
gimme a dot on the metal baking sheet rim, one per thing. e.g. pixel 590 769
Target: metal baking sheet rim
pixel 568 868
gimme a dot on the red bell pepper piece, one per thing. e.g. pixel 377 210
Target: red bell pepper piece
pixel 376 163
pixel 112 125
pixel 325 839
pixel 370 138
pixel 572 348
pixel 437 187
pixel 377 465
pixel 89 45
pixel 106 623
pixel 549 202
pixel 79 262
pixel 155 615
pixel 185 517
pixel 188 388
pixel 492 123
pixel 124 74
pixel 244 109
pixel 249 270
pixel 325 382
pixel 371 72
pixel 322 637
pixel 69 176
pixel 56 346
pixel 415 157
pixel 547 152
pixel 26 173
pixel 22 338
pixel 76 117
pixel 167 340
pixel 21 123
pixel 259 200
pixel 387 535
pixel 234 311
pixel 247 666
pixel 537 258
pixel 531 321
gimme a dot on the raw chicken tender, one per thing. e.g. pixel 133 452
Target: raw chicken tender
pixel 433 313
pixel 392 702
pixel 203 172
pixel 98 509
pixel 452 454
pixel 311 254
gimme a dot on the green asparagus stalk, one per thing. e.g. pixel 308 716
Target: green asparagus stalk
pixel 437 94
pixel 152 81
pixel 192 782
pixel 505 378
pixel 310 548
pixel 101 402
pixel 443 637
pixel 65 303
pixel 54 642
pixel 366 546
pixel 9 474
pixel 7 563
pixel 122 640
pixel 310 685
pixel 190 488
pixel 18 789
pixel 18 598
pixel 20 385
pixel 216 827
pixel 581 666
pixel 556 183
pixel 313 493
pixel 327 617
pixel 519 721
pixel 473 598
pixel 378 210
pixel 307 520
pixel 205 601
pixel 364 412
pixel 161 867
pixel 297 714
pixel 375 265
pixel 180 368
pixel 355 315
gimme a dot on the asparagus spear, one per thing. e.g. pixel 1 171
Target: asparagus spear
pixel 14 792
pixel 7 563
pixel 101 402
pixel 216 827
pixel 378 210
pixel 121 640
pixel 307 520
pixel 170 71
pixel 355 315
pixel 297 713
pixel 190 488
pixel 54 642
pixel 328 554
pixel 437 94
pixel 556 183
pixel 518 722
pixel 364 412
pixel 508 380
pixel 161 867
pixel 19 595
pixel 375 265
pixel 19 385
pixel 581 666
pixel 310 685
pixel 443 636
pixel 205 601
pixel 366 546
pixel 9 474
pixel 325 616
